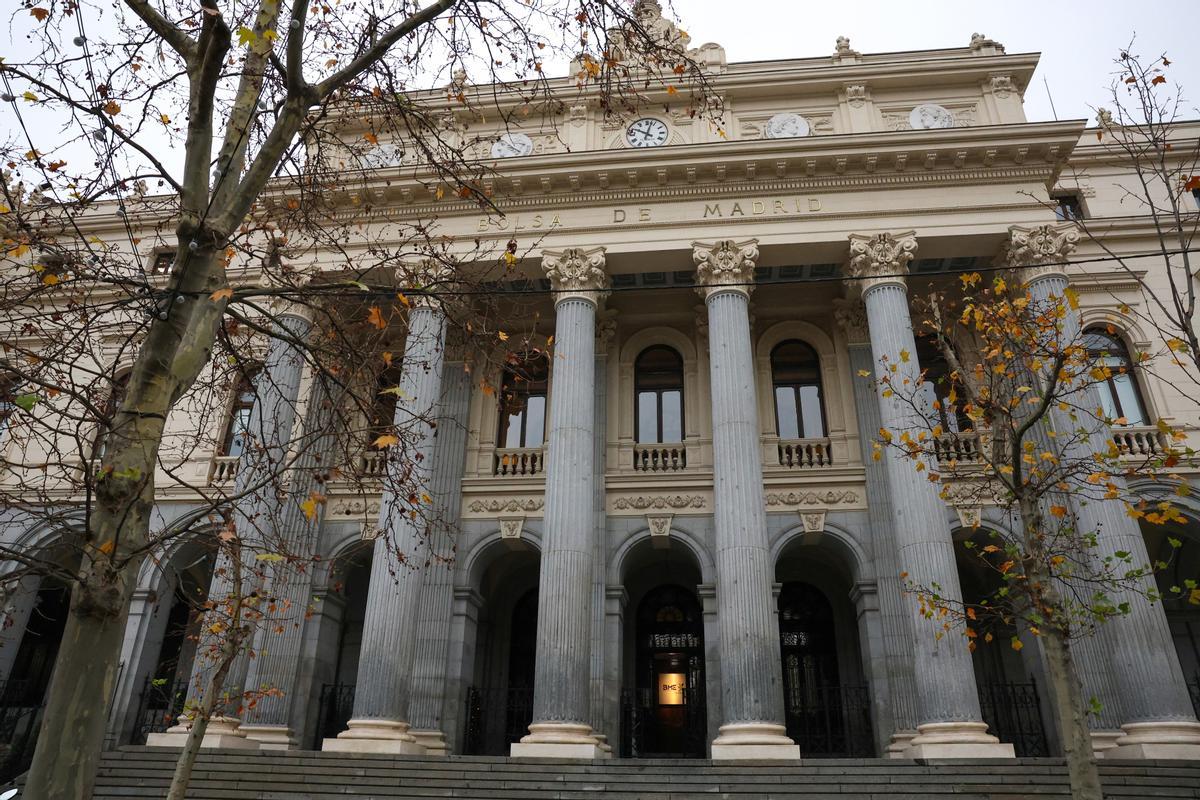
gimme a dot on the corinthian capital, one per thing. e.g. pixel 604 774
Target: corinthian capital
pixel 881 259
pixel 426 278
pixel 1039 252
pixel 576 273
pixel 851 315
pixel 725 266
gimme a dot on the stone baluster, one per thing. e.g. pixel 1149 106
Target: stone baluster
pixel 751 672
pixel 561 726
pixel 948 715
pixel 381 697
pixel 260 518
pixel 897 622
pixel 1131 664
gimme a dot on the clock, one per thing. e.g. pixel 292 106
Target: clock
pixel 786 126
pixel 512 144
pixel 646 132
pixel 930 115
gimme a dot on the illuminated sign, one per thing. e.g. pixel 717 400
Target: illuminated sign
pixel 670 688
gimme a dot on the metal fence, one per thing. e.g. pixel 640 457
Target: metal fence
pixel 649 730
pixel 159 705
pixel 831 721
pixel 335 709
pixel 1013 712
pixel 495 719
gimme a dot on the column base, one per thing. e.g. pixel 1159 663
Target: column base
pixel 754 740
pixel 603 741
pixel 270 737
pixel 559 740
pixel 1158 740
pixel 433 740
pixel 375 736
pixel 1104 741
pixel 898 746
pixel 222 732
pixel 957 740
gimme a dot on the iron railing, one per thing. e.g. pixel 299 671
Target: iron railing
pixel 830 721
pixel 21 706
pixel 1194 691
pixel 1013 712
pixel 159 705
pixel 495 719
pixel 650 730
pixel 334 710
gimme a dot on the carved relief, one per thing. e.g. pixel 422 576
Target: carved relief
pixel 344 507
pixel 754 126
pixel 813 521
pixel 964 117
pixel 511 527
pixel 832 497
pixel 576 272
pixel 851 315
pixel 659 525
pixel 643 502
pixel 856 95
pixel 882 258
pixel 496 505
pixel 725 264
pixel 1002 86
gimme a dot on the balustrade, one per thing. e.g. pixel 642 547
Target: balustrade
pixel 512 461
pixel 1140 442
pixel 660 458
pixel 224 469
pixel 805 453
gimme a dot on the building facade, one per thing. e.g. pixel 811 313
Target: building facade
pixel 672 539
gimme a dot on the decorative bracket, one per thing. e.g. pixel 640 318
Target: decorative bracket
pixel 511 528
pixel 660 530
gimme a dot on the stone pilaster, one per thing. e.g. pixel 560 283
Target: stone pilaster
pixel 260 518
pixel 752 682
pixel 383 686
pixel 900 710
pixel 947 713
pixel 429 694
pixel 606 326
pixel 1146 683
pixel 561 726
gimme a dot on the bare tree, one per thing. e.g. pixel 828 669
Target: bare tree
pixel 178 180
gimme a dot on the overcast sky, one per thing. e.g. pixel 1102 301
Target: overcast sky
pixel 1078 39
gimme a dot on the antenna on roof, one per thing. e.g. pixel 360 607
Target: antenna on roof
pixel 1050 97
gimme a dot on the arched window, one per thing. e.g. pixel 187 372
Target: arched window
pixel 658 393
pixel 523 401
pixel 237 426
pixel 796 378
pixel 1119 393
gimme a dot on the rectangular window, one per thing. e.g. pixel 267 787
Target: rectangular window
pixel 672 416
pixel 647 417
pixel 1068 207
pixel 161 262
pixel 1127 394
pixel 810 412
pixel 239 426
pixel 785 410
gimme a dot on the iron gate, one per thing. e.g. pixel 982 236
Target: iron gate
pixel 335 708
pixel 642 725
pixel 1013 712
pixel 495 719
pixel 159 705
pixel 831 721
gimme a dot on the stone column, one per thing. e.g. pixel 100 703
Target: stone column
pixel 260 519
pixel 429 672
pixel 897 622
pixel 381 696
pixel 1146 682
pixel 561 726
pixel 948 718
pixel 751 673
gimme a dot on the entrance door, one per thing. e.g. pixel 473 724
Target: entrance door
pixel 824 715
pixel 665 716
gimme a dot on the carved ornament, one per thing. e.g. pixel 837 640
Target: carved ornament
pixel 1002 86
pixel 1039 252
pixel 881 259
pixel 851 315
pixel 496 505
pixel 511 527
pixel 576 273
pixel 725 266
pixel 643 502
pixel 856 95
pixel 832 497
pixel 813 521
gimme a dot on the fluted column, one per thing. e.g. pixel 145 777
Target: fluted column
pixel 897 622
pixel 429 693
pixel 561 726
pixel 751 673
pixel 1146 685
pixel 948 716
pixel 381 696
pixel 259 519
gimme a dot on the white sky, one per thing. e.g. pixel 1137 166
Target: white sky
pixel 1078 39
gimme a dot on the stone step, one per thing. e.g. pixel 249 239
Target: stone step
pixel 136 773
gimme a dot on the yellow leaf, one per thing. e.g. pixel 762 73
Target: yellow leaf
pixel 108 547
pixel 49 279
pixel 403 300
pixel 987 637
pixel 672 90
pixel 375 317
pixel 387 440
pixel 309 507
pixel 277 556
pixel 426 498
pixel 1016 644
pixel 164 119
pixel 904 356
pixel 863 373
pixel 30 96
pixel 1072 298
pixel 221 294
pixel 246 36
pixel 440 193
pixel 970 613
pixel 1058 511
pixel 503 336
pixel 1194 597
pixel 112 108
pixel 370 137
pixel 509 259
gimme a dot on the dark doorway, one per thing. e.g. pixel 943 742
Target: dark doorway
pixel 665 715
pixel 824 715
pixel 34 662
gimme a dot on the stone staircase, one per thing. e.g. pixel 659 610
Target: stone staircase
pixel 302 775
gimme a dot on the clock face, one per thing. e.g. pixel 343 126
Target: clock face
pixel 786 126
pixel 512 144
pixel 930 115
pixel 646 132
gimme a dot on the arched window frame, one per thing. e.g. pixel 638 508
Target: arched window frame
pixel 664 398
pixel 1121 392
pixel 237 417
pixel 524 391
pixel 798 397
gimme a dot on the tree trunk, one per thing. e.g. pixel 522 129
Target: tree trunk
pixel 191 748
pixel 66 760
pixel 1067 698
